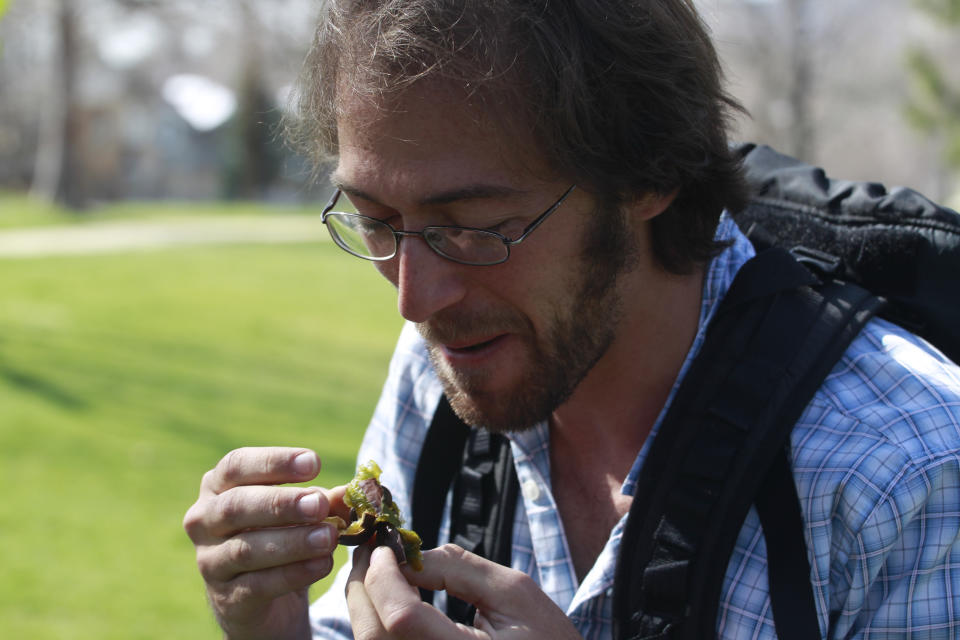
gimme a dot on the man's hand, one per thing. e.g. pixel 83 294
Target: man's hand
pixel 384 601
pixel 260 546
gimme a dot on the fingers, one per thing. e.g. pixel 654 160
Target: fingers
pixel 261 465
pixel 485 584
pixel 385 603
pixel 241 508
pixel 509 603
pixel 363 615
pixel 254 550
pixel 395 599
pixel 259 545
pixel 247 591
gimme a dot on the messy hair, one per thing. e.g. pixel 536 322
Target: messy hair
pixel 624 97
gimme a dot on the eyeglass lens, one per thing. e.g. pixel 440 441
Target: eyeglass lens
pixel 362 236
pixel 369 238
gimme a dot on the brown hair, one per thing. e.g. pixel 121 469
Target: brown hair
pixel 623 96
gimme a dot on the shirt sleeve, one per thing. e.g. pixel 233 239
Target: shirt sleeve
pixel 901 566
pixel 881 472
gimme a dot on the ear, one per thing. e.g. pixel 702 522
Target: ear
pixel 650 205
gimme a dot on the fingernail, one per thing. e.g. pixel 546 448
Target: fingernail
pixel 379 555
pixel 309 505
pixel 320 538
pixel 305 463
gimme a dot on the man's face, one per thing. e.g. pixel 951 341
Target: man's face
pixel 510 342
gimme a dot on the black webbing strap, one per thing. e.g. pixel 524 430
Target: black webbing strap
pixel 485 493
pixel 478 465
pixel 440 460
pixel 771 343
pixel 788 569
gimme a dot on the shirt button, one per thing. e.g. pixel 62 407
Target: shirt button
pixel 531 490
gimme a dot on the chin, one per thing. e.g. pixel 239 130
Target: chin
pixel 494 416
pixel 518 406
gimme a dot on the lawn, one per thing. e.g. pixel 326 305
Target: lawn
pixel 124 377
pixel 17 209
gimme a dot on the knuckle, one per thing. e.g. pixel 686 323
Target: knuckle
pixel 517 580
pixel 193 521
pixel 241 552
pixel 279 504
pixel 209 478
pixel 207 563
pixel 226 508
pixel 402 620
pixel 454 551
pixel 366 629
pixel 234 596
pixel 230 467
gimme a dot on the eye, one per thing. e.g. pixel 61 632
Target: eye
pixel 355 204
pixel 394 221
pixel 390 217
pixel 508 228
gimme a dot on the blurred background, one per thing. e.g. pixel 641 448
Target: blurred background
pixel 167 294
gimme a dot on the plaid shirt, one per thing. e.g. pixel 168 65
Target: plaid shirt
pixel 876 462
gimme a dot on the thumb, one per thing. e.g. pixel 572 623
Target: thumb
pixel 481 582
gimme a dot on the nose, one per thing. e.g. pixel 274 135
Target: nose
pixel 426 283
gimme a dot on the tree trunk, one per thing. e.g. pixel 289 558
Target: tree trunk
pixel 802 141
pixel 58 167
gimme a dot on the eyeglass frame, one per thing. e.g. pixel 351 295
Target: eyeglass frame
pixel 398 233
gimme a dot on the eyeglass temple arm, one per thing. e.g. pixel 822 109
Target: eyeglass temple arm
pixel 332 202
pixel 543 216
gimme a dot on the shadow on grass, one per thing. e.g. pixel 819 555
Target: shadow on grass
pixel 38 386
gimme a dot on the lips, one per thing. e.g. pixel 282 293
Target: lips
pixel 472 352
pixel 472 345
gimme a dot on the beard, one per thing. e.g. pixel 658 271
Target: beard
pixel 552 363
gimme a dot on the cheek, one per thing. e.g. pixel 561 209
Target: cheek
pixel 389 269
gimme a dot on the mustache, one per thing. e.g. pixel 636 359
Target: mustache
pixel 451 326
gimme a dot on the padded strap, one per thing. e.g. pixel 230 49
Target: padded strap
pixel 773 337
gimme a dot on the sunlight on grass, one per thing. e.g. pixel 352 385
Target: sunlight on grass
pixel 124 377
pixel 18 210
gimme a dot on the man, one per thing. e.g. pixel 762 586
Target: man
pixel 590 136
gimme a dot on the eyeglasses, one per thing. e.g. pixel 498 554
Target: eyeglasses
pixel 376 240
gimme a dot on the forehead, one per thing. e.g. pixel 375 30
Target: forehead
pixel 432 136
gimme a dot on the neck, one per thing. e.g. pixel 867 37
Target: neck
pixel 614 407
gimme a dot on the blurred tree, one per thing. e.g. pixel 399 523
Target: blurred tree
pixel 58 166
pixel 801 69
pixel 254 149
pixel 934 104
pixel 786 44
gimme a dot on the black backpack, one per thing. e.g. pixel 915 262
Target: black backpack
pixel 831 254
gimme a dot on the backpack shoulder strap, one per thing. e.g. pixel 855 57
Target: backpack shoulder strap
pixel 478 465
pixel 439 462
pixel 773 340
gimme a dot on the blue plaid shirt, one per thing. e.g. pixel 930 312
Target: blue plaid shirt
pixel 876 462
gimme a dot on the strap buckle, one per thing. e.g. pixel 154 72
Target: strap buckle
pixel 821 262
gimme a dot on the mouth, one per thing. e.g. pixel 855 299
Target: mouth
pixel 472 346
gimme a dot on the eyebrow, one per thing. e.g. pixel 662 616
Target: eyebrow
pixel 479 191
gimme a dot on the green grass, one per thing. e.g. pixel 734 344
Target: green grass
pixel 18 210
pixel 124 377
